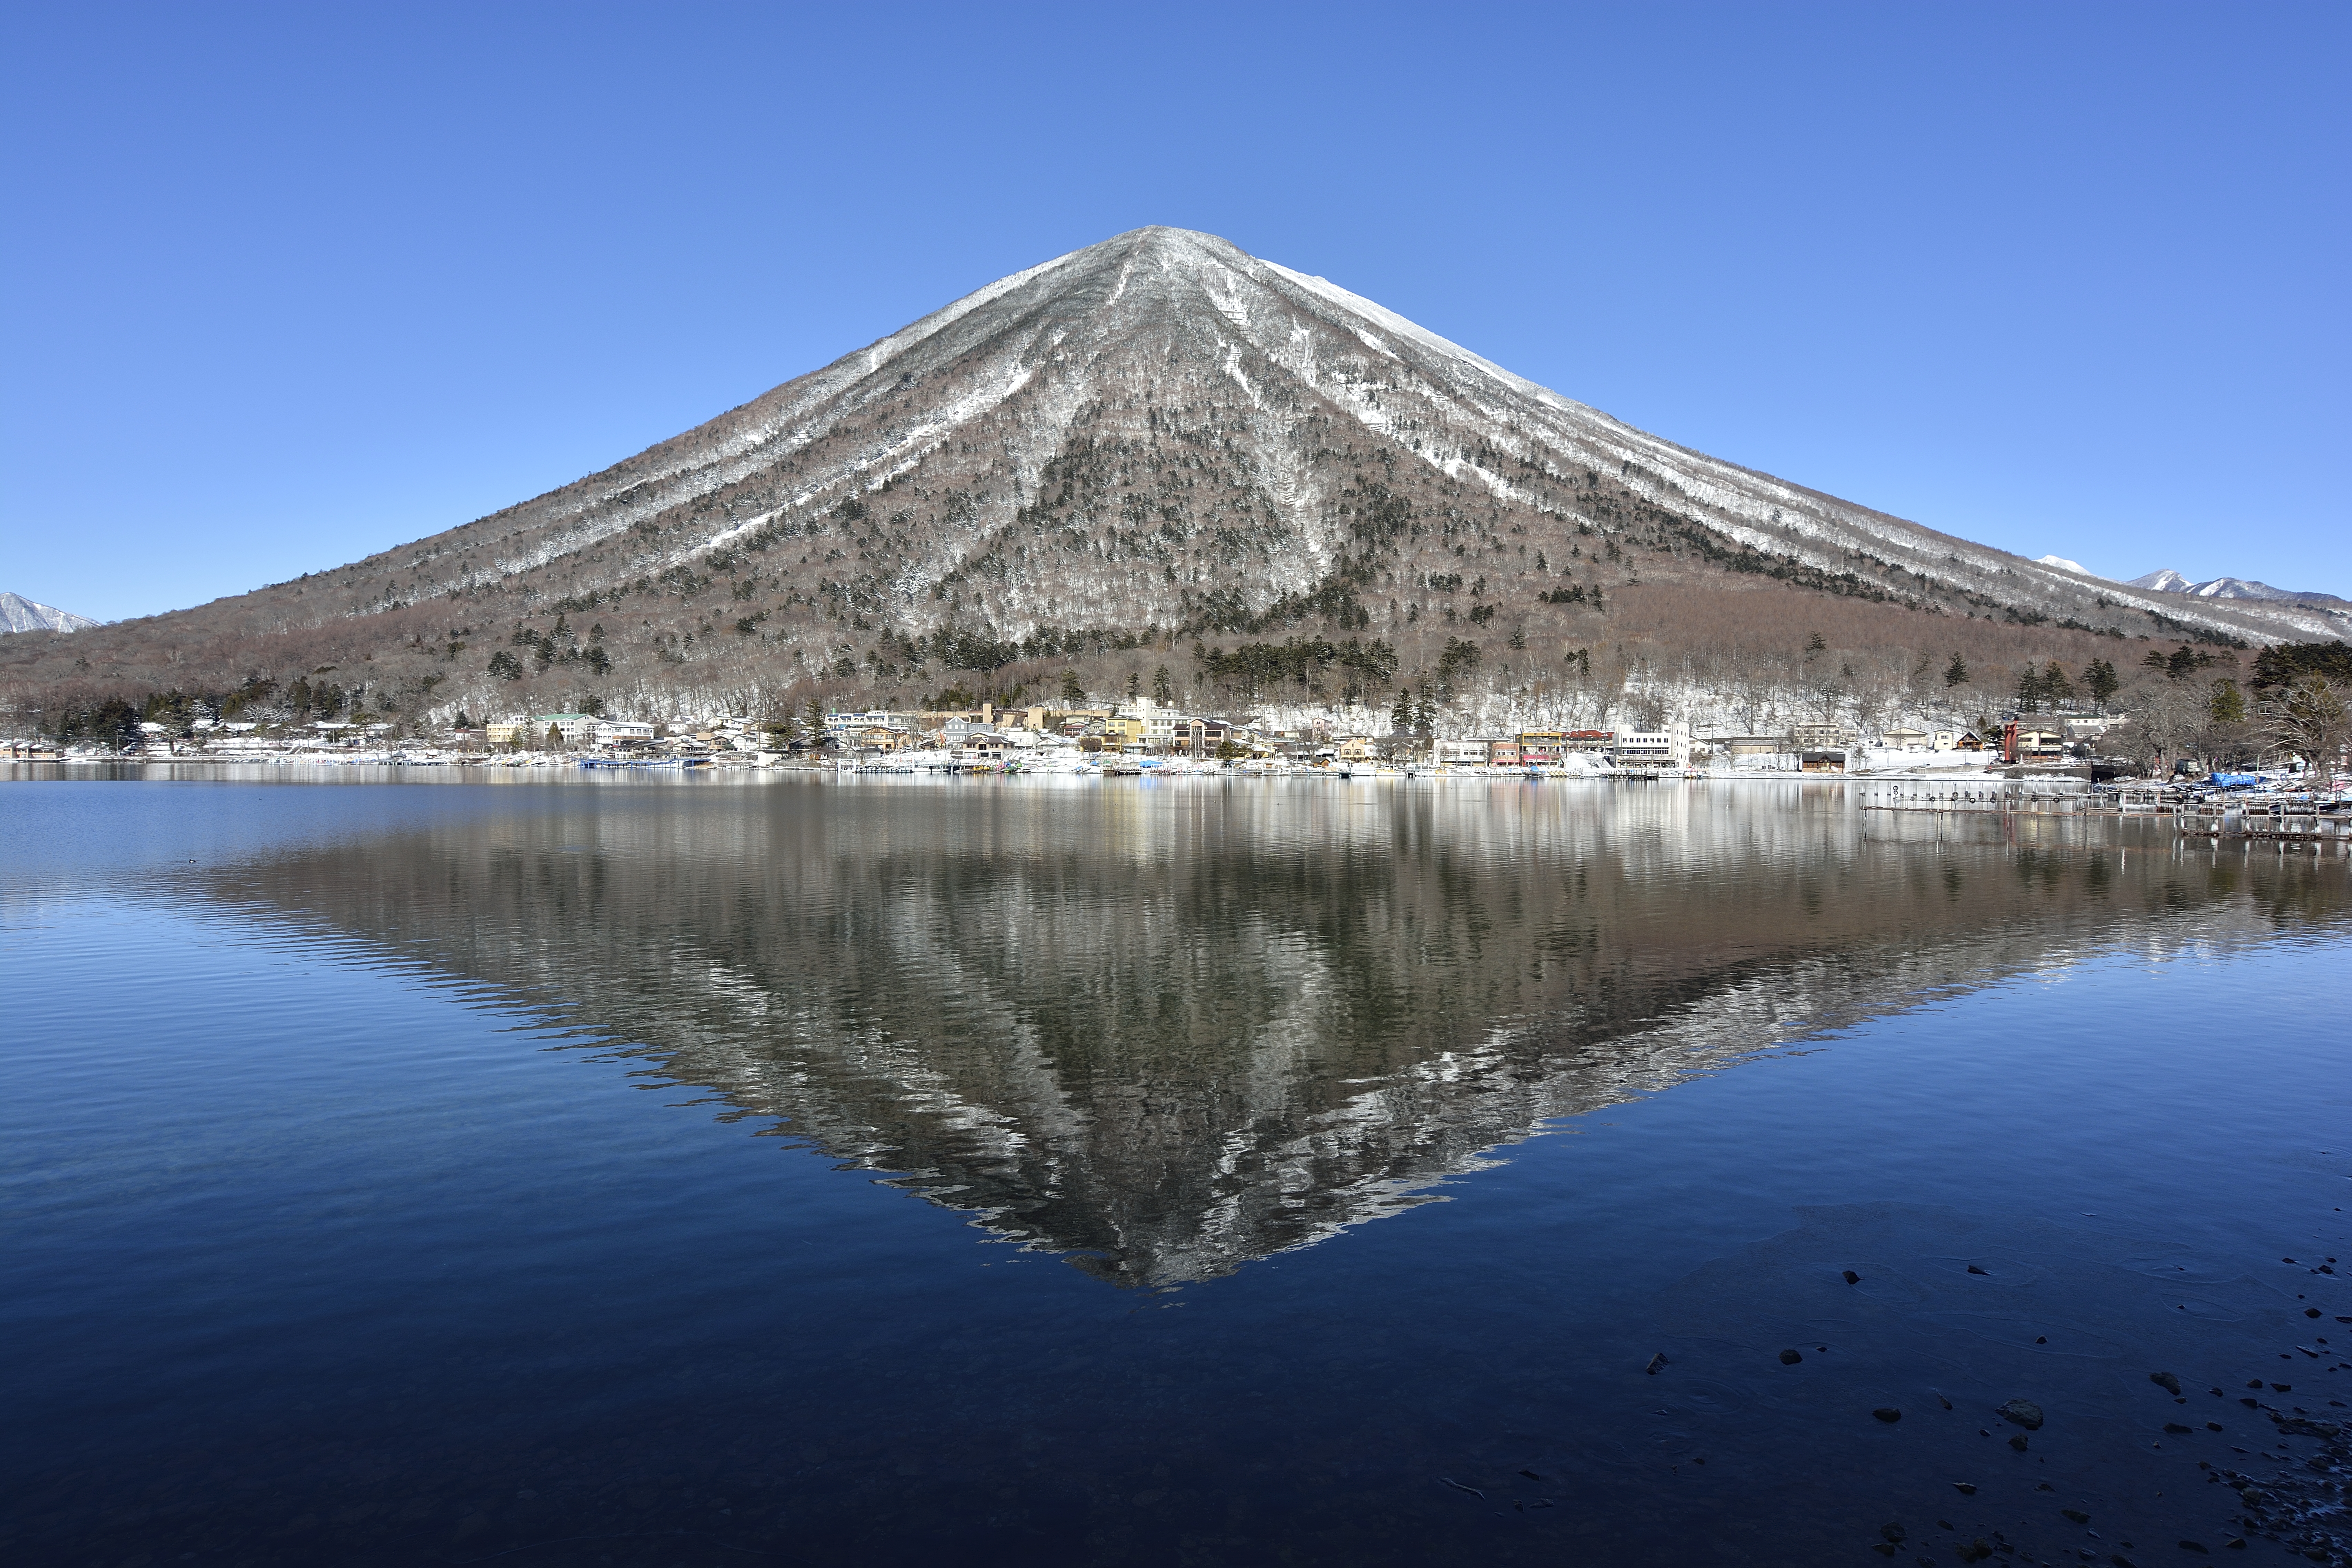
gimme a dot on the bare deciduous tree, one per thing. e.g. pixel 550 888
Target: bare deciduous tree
pixel 2169 717
pixel 2312 718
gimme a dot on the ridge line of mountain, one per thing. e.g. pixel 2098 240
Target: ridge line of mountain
pixel 1151 439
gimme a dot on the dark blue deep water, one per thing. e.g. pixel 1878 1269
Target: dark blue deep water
pixel 1158 1172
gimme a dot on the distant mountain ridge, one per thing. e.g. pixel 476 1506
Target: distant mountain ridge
pixel 2170 582
pixel 19 613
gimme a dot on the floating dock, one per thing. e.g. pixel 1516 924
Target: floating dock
pixel 2309 819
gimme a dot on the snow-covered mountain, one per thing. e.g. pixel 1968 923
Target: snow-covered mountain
pixel 1162 423
pixel 19 613
pixel 2063 564
pixel 2170 582
pixel 1152 437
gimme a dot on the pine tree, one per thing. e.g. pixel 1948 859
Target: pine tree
pixel 1162 691
pixel 2099 679
pixel 2055 687
pixel 1401 716
pixel 1956 673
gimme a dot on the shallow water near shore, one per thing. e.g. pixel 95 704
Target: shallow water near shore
pixel 1170 1171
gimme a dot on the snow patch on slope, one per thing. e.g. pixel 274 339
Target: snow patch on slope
pixel 19 613
pixel 1356 304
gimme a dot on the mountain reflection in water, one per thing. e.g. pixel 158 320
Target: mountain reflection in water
pixel 1171 1029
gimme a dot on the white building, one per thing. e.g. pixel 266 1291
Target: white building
pixel 571 729
pixel 1655 747
pixel 619 732
pixel 1164 728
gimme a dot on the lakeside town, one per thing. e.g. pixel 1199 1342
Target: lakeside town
pixel 2179 732
pixel 1132 737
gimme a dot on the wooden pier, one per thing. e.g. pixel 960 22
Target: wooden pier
pixel 2267 817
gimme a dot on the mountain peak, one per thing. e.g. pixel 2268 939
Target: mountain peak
pixel 2243 588
pixel 19 613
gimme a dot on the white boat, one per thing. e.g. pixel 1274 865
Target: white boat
pixel 1061 760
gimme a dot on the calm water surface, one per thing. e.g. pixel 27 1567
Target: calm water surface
pixel 1164 1172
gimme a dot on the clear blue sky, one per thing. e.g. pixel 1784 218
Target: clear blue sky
pixel 286 285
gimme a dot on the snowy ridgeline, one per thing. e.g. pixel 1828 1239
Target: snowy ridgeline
pixel 19 613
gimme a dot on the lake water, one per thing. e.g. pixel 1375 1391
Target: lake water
pixel 1156 1171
